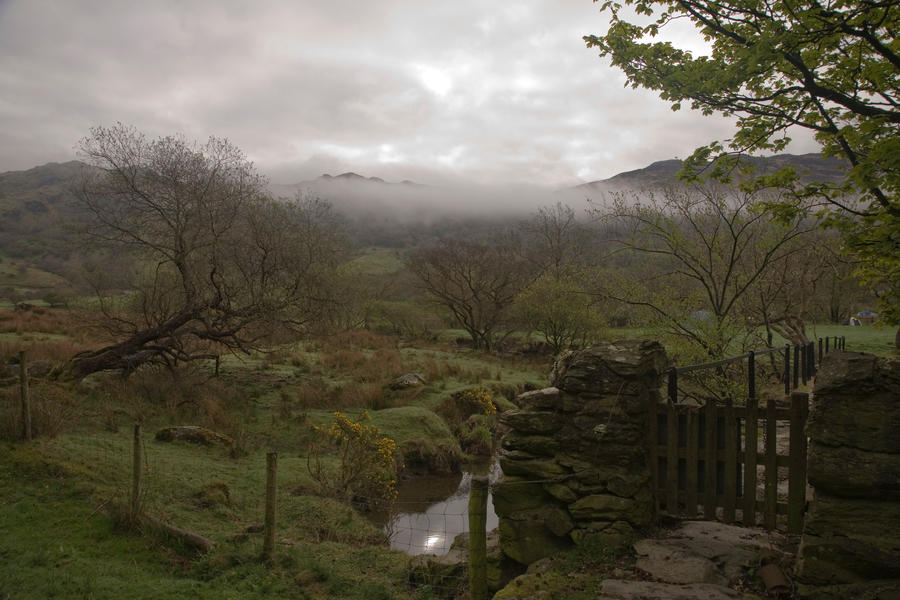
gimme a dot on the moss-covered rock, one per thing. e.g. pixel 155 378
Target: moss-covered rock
pixel 528 538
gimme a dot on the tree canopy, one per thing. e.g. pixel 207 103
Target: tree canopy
pixel 830 66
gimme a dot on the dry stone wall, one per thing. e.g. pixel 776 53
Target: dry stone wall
pixel 574 459
pixel 851 533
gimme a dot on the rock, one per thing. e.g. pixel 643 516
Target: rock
pixel 408 380
pixel 606 507
pixel 604 534
pixel 732 548
pixel 194 435
pixel 859 413
pixel 514 463
pixel 852 473
pixel 437 571
pixel 539 445
pixel 547 398
pixel 886 589
pixel 561 492
pixel 846 540
pixel 513 494
pixel 528 539
pixel 545 586
pixel 673 564
pixel 643 590
pixel 446 575
pixel 531 422
pixel 601 369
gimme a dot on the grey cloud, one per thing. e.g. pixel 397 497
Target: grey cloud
pixel 402 89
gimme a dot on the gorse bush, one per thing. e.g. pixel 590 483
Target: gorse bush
pixel 367 466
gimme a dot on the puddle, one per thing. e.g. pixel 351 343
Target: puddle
pixel 431 510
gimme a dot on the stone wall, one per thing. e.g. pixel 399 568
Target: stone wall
pixel 851 532
pixel 574 459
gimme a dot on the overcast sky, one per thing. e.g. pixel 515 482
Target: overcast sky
pixel 428 90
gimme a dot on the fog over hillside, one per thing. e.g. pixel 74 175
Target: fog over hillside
pixel 359 196
pixel 411 202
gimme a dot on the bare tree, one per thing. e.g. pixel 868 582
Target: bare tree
pixel 694 254
pixel 216 260
pixel 477 282
pixel 556 241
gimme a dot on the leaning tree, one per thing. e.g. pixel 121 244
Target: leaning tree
pixel 215 261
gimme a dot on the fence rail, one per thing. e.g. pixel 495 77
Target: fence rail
pixel 795 372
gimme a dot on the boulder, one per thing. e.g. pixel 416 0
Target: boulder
pixel 538 445
pixel 606 507
pixel 852 473
pixel 512 494
pixel 545 399
pixel 526 536
pixel 194 435
pixel 673 563
pixel 602 369
pixel 408 380
pixel 531 422
pixel 859 413
pixel 849 540
pixel 642 590
pixel 519 465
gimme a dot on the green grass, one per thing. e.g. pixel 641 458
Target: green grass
pixel 378 261
pixel 867 338
pixel 59 498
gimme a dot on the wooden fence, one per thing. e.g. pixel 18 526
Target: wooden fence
pixel 794 373
pixel 709 460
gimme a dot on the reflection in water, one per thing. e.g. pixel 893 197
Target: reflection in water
pixel 434 510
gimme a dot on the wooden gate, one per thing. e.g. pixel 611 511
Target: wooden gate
pixel 723 462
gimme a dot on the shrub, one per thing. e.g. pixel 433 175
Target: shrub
pixel 367 467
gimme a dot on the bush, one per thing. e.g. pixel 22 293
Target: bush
pixel 367 468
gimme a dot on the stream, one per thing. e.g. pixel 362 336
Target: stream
pixel 431 510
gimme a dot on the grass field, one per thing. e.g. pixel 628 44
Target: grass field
pixel 867 338
pixel 63 496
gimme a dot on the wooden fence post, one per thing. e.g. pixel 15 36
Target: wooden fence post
pixel 25 396
pixel 751 429
pixel 751 374
pixel 797 469
pixel 478 538
pixel 673 385
pixel 271 492
pixel 26 400
pixel 136 475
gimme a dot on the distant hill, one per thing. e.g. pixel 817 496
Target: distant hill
pixel 346 185
pixel 37 209
pixel 810 167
